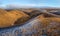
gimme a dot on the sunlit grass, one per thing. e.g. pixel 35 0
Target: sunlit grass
pixel 9 18
pixel 47 20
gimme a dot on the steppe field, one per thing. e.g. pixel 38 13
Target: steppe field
pixel 31 21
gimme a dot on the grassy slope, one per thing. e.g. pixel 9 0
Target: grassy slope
pixel 9 18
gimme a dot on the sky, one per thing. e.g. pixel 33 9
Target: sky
pixel 32 3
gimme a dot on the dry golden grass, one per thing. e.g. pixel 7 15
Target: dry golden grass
pixel 2 11
pixel 47 20
pixel 9 18
pixel 28 10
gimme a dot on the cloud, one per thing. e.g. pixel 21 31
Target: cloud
pixel 21 5
pixel 18 4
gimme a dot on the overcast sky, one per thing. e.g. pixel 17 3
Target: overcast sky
pixel 35 3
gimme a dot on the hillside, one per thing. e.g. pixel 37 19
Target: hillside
pixel 10 18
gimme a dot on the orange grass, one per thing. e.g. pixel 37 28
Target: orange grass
pixel 9 18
